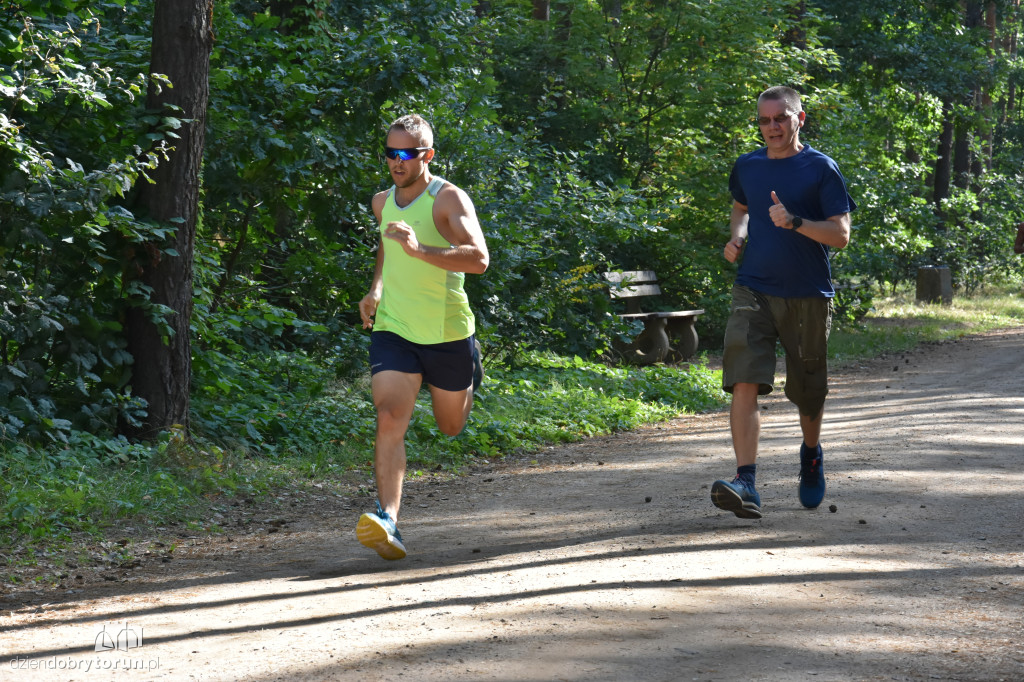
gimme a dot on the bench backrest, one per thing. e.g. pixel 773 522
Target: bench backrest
pixel 633 283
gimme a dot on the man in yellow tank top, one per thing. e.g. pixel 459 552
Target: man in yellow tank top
pixel 423 328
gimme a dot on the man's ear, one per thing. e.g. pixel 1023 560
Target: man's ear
pixel 801 117
pixel 428 155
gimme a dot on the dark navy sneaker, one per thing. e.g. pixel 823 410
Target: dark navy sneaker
pixel 812 477
pixel 478 366
pixel 737 497
pixel 380 533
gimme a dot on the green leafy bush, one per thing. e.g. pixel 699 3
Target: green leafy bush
pixel 66 242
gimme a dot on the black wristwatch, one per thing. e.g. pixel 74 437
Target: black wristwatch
pixel 797 222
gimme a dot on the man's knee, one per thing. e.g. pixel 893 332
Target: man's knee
pixel 451 422
pixel 391 419
pixel 745 390
pixel 746 394
pixel 451 428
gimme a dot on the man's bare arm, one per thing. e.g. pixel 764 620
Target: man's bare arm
pixel 368 304
pixel 456 221
pixel 739 219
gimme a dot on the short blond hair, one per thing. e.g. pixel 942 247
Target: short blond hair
pixel 417 126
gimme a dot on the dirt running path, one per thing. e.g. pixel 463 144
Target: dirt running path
pixel 605 560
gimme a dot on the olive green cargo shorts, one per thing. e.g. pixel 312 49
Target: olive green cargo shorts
pixel 756 323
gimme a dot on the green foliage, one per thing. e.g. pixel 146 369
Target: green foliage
pixel 95 482
pixel 299 104
pixel 924 46
pixel 544 288
pixel 906 76
pixel 894 223
pixel 274 403
pixel 65 238
pixel 294 408
pixel 976 243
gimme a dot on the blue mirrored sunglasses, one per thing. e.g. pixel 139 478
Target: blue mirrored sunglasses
pixel 404 154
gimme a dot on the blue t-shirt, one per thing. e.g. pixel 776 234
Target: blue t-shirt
pixel 777 261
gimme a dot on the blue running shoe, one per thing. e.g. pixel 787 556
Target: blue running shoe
pixel 478 366
pixel 812 477
pixel 379 533
pixel 737 497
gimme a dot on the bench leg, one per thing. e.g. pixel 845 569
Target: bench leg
pixel 684 333
pixel 652 345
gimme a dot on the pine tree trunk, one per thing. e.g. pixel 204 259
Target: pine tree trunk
pixel 182 42
pixel 944 156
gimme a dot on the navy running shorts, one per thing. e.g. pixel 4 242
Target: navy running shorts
pixel 447 366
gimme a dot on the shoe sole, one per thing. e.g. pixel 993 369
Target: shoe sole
pixel 724 497
pixel 372 534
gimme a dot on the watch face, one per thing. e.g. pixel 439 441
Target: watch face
pixel 797 221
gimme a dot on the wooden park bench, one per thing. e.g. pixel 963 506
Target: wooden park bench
pixel 667 335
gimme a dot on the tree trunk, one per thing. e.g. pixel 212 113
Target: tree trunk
pixel 1011 95
pixel 943 160
pixel 964 162
pixel 182 42
pixel 991 21
pixel 563 28
pixel 797 35
pixel 962 153
pixel 294 14
pixel 541 10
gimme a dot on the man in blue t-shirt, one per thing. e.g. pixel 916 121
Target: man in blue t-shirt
pixel 790 207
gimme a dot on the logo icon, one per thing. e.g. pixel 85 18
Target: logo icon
pixel 127 638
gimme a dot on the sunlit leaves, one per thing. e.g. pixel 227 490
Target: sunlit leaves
pixel 68 163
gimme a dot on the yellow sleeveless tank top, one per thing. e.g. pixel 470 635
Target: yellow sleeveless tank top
pixel 420 302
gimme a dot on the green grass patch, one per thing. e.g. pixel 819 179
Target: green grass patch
pixel 898 323
pixel 556 399
pixel 52 494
